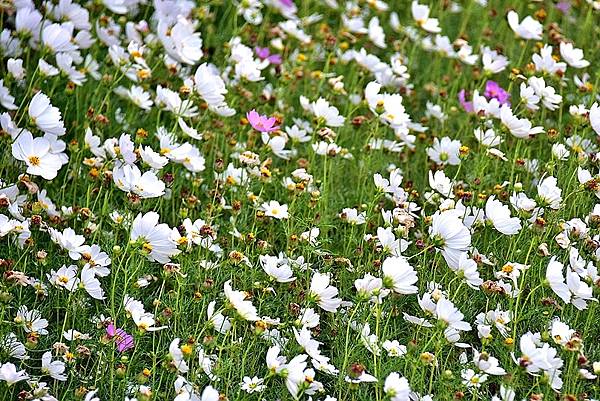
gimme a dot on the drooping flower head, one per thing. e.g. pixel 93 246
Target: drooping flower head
pixel 261 123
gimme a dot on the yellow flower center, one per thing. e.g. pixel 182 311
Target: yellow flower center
pixel 34 160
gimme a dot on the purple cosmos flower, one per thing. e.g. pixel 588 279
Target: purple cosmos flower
pixel 467 105
pixel 563 6
pixel 123 340
pixel 495 91
pixel 264 54
pixel 261 123
pixel 287 3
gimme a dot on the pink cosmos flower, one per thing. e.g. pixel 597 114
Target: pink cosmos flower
pixel 466 104
pixel 123 340
pixel 495 91
pixel 261 123
pixel 264 54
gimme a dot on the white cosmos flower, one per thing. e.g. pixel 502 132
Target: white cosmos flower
pixel 446 151
pixel 68 240
pixel 450 235
pixel 10 374
pixel 354 24
pixel 545 62
pixel 472 379
pixel 595 118
pixel 58 38
pixel 65 277
pixel 397 387
pixel 291 27
pixel 138 96
pixel 309 318
pixel 467 268
pixel 561 333
pixel 37 154
pixel 27 20
pixel 64 61
pixel 253 385
pixel 581 291
pixel 171 101
pixel 529 96
pixel 295 374
pixel 488 137
pixel 216 319
pixel 440 183
pixel 277 268
pixel 370 287
pixel 399 275
pixel 54 369
pixel 388 107
pixel 499 215
pixel 90 283
pixel 465 54
pixel 152 158
pixel 549 192
pixel 275 209
pixel 550 99
pixel 308 344
pixel 31 320
pixel 387 240
pixel 45 116
pixel 323 111
pixel 155 238
pixel 177 356
pixel 572 55
pixel 528 28
pixel 487 363
pixel 522 202
pixel 130 179
pixel 13 347
pixel 560 152
pixel 180 40
pixel 394 348
pixel 518 127
pixel 275 363
pixel 420 13
pixel 446 312
pixel 324 294
pixel 492 61
pixel 209 85
pixel 556 280
pixel 536 355
pixel 376 34
pixel 15 68
pixel 6 99
pixel 238 300
pixel 143 320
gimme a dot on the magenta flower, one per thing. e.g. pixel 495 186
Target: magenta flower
pixel 287 3
pixel 123 340
pixel 261 123
pixel 462 98
pixel 563 6
pixel 495 91
pixel 264 54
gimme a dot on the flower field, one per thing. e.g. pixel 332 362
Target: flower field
pixel 299 200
